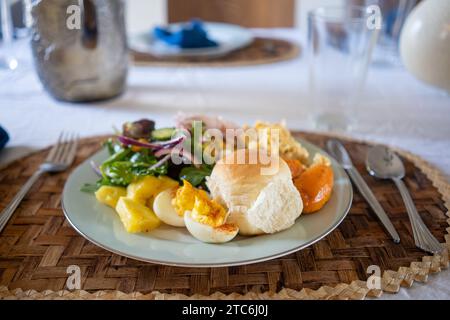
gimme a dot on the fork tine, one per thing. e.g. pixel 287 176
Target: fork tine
pixel 71 150
pixel 53 151
pixel 65 148
pixel 61 149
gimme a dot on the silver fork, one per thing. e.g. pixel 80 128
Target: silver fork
pixel 59 159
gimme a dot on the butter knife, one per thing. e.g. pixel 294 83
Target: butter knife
pixel 337 150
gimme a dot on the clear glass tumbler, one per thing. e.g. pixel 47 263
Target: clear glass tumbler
pixel 394 14
pixel 7 57
pixel 340 44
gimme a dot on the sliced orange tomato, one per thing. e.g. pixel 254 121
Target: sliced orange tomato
pixel 295 166
pixel 315 185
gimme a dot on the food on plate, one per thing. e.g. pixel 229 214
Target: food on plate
pixel 153 176
pixel 208 233
pixel 315 184
pixel 185 197
pixel 144 189
pixel 209 122
pixel 187 206
pixel 163 134
pixel 139 129
pixel 296 167
pixel 289 147
pixel 167 183
pixel 164 209
pixel 109 195
pixel 208 212
pixel 204 218
pixel 258 203
pixel 135 216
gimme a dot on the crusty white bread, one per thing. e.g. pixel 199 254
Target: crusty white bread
pixel 254 198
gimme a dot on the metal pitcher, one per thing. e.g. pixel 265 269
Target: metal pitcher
pixel 80 48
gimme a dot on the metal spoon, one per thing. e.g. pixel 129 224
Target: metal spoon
pixel 385 164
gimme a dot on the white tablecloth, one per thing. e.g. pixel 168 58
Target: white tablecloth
pixel 397 109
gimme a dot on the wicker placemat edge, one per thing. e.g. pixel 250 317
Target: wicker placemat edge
pixel 295 52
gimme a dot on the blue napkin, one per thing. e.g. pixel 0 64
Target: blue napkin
pixel 191 35
pixel 3 138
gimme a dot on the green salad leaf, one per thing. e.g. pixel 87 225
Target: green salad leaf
pixel 118 172
pixel 125 166
pixel 112 146
pixel 196 176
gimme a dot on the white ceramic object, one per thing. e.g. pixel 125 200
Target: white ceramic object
pixel 176 246
pixel 229 37
pixel 425 43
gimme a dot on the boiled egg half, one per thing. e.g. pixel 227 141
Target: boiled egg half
pixel 165 211
pixel 206 222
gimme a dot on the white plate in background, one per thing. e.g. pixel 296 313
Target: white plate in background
pixel 229 37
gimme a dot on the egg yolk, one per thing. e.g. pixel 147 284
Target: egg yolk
pixel 185 198
pixel 208 212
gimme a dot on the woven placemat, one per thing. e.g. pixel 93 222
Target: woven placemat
pixel 261 51
pixel 38 245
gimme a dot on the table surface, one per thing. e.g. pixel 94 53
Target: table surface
pixel 396 109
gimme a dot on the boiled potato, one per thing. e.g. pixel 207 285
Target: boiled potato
pixel 167 183
pixel 135 216
pixel 149 202
pixel 144 189
pixel 109 195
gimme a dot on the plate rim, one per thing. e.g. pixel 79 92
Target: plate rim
pixel 228 264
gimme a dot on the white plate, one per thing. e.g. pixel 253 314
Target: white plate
pixel 175 246
pixel 228 36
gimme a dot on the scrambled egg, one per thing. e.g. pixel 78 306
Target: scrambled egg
pixel 197 201
pixel 289 147
pixel 321 160
pixel 208 212
pixel 185 197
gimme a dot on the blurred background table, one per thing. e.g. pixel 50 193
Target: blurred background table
pixel 397 109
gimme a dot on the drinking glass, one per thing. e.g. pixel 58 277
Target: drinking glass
pixel 15 52
pixel 394 14
pixel 340 44
pixel 8 60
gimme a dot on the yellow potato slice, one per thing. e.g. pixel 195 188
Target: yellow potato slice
pixel 109 195
pixel 144 189
pixel 135 216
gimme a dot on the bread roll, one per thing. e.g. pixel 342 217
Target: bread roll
pixel 257 201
